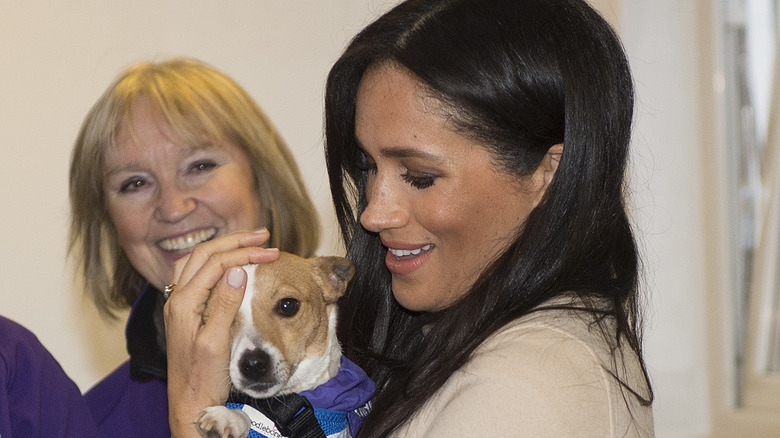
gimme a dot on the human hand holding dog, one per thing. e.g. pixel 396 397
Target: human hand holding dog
pixel 209 288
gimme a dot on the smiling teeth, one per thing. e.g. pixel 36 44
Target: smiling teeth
pixel 187 242
pixel 406 252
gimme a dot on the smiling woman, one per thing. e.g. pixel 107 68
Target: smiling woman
pixel 477 153
pixel 172 154
pixel 165 196
pixel 435 197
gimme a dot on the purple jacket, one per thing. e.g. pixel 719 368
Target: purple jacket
pixel 132 401
pixel 37 398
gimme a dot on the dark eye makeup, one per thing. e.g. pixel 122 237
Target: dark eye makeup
pixel 419 182
pixel 364 164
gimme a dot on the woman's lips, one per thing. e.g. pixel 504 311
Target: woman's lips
pixel 406 261
pixel 186 242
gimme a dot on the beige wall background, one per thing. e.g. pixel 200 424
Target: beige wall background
pixel 57 57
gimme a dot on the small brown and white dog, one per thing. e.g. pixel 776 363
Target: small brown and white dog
pixel 284 336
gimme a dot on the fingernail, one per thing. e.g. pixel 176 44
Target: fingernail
pixel 263 230
pixel 236 277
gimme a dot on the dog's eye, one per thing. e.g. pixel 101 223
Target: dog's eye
pixel 288 307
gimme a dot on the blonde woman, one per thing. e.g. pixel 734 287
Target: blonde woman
pixel 173 154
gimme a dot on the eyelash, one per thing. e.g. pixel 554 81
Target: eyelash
pixel 364 165
pixel 132 185
pixel 418 182
pixel 203 166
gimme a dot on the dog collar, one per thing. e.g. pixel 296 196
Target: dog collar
pixel 292 415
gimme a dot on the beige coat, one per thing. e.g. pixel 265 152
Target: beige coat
pixel 544 375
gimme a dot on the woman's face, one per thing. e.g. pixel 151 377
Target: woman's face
pixel 165 196
pixel 437 200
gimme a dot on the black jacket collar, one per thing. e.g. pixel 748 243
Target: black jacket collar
pixel 145 334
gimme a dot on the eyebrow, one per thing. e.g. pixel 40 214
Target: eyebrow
pixel 406 152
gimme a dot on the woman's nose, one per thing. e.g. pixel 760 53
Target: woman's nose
pixel 384 210
pixel 174 203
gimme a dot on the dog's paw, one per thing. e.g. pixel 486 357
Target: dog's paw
pixel 223 422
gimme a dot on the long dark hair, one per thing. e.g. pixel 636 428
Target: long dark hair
pixel 520 76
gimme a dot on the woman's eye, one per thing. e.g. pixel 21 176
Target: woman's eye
pixel 203 166
pixel 419 182
pixel 132 185
pixel 288 307
pixel 366 164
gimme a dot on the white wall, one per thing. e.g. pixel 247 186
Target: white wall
pixel 661 40
pixel 56 58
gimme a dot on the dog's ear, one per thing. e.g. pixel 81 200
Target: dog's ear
pixel 336 272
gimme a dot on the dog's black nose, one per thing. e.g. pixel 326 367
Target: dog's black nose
pixel 254 364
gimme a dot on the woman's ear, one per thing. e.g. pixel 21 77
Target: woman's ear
pixel 544 173
pixel 550 162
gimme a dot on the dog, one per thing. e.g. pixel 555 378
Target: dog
pixel 284 337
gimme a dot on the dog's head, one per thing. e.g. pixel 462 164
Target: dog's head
pixel 284 337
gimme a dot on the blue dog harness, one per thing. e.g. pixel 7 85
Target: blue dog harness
pixel 338 405
pixel 333 423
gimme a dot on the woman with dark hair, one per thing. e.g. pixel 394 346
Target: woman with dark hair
pixel 477 153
